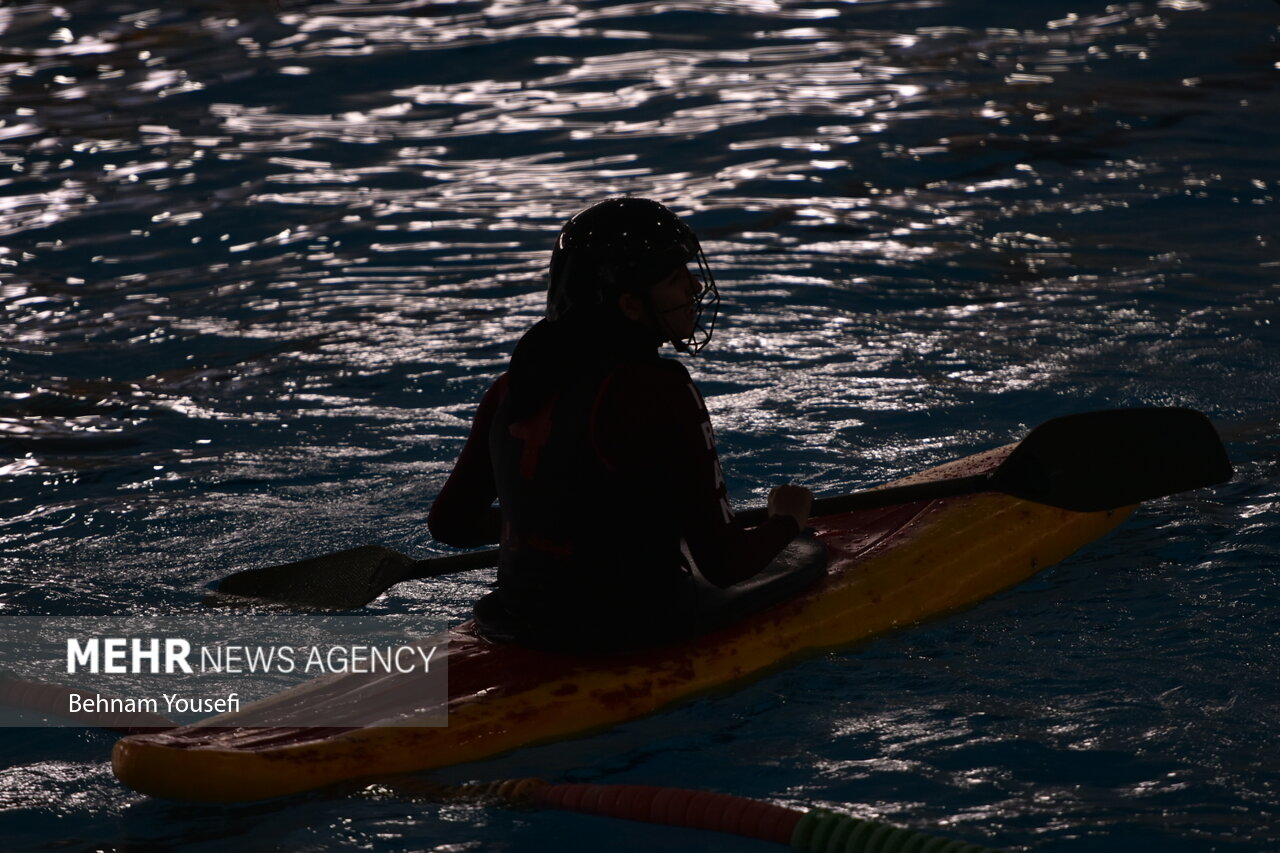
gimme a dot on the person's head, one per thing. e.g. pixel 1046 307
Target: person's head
pixel 627 259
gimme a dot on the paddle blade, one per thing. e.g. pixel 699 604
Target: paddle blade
pixel 341 581
pixel 1103 460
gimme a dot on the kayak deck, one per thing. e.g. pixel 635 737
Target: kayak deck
pixel 887 568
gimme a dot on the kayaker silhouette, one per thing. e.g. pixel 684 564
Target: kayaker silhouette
pixel 602 459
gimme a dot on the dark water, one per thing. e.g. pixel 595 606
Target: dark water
pixel 258 261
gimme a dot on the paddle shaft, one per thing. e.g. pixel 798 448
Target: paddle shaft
pixel 1088 462
pixel 871 499
pixel 883 497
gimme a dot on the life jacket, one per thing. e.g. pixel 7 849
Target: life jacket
pixel 589 546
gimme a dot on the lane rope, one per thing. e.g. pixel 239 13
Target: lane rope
pixel 813 831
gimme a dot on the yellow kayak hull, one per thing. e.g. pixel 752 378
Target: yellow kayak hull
pixel 887 569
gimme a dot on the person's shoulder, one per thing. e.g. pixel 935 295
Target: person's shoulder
pixel 495 393
pixel 653 389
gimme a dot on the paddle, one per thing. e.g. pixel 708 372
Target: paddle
pixel 1085 463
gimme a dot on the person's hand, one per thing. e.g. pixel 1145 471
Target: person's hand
pixel 795 501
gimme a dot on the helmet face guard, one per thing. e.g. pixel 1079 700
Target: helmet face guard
pixel 626 245
pixel 707 297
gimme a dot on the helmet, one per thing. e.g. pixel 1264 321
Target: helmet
pixel 625 245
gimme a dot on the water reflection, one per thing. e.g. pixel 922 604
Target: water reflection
pixel 258 260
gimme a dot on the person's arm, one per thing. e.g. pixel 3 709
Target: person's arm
pixel 667 417
pixel 463 515
pixel 725 554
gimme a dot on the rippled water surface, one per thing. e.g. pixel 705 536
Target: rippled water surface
pixel 259 260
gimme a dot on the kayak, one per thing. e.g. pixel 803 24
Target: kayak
pixel 886 569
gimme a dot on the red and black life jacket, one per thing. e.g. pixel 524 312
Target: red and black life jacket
pixel 586 537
